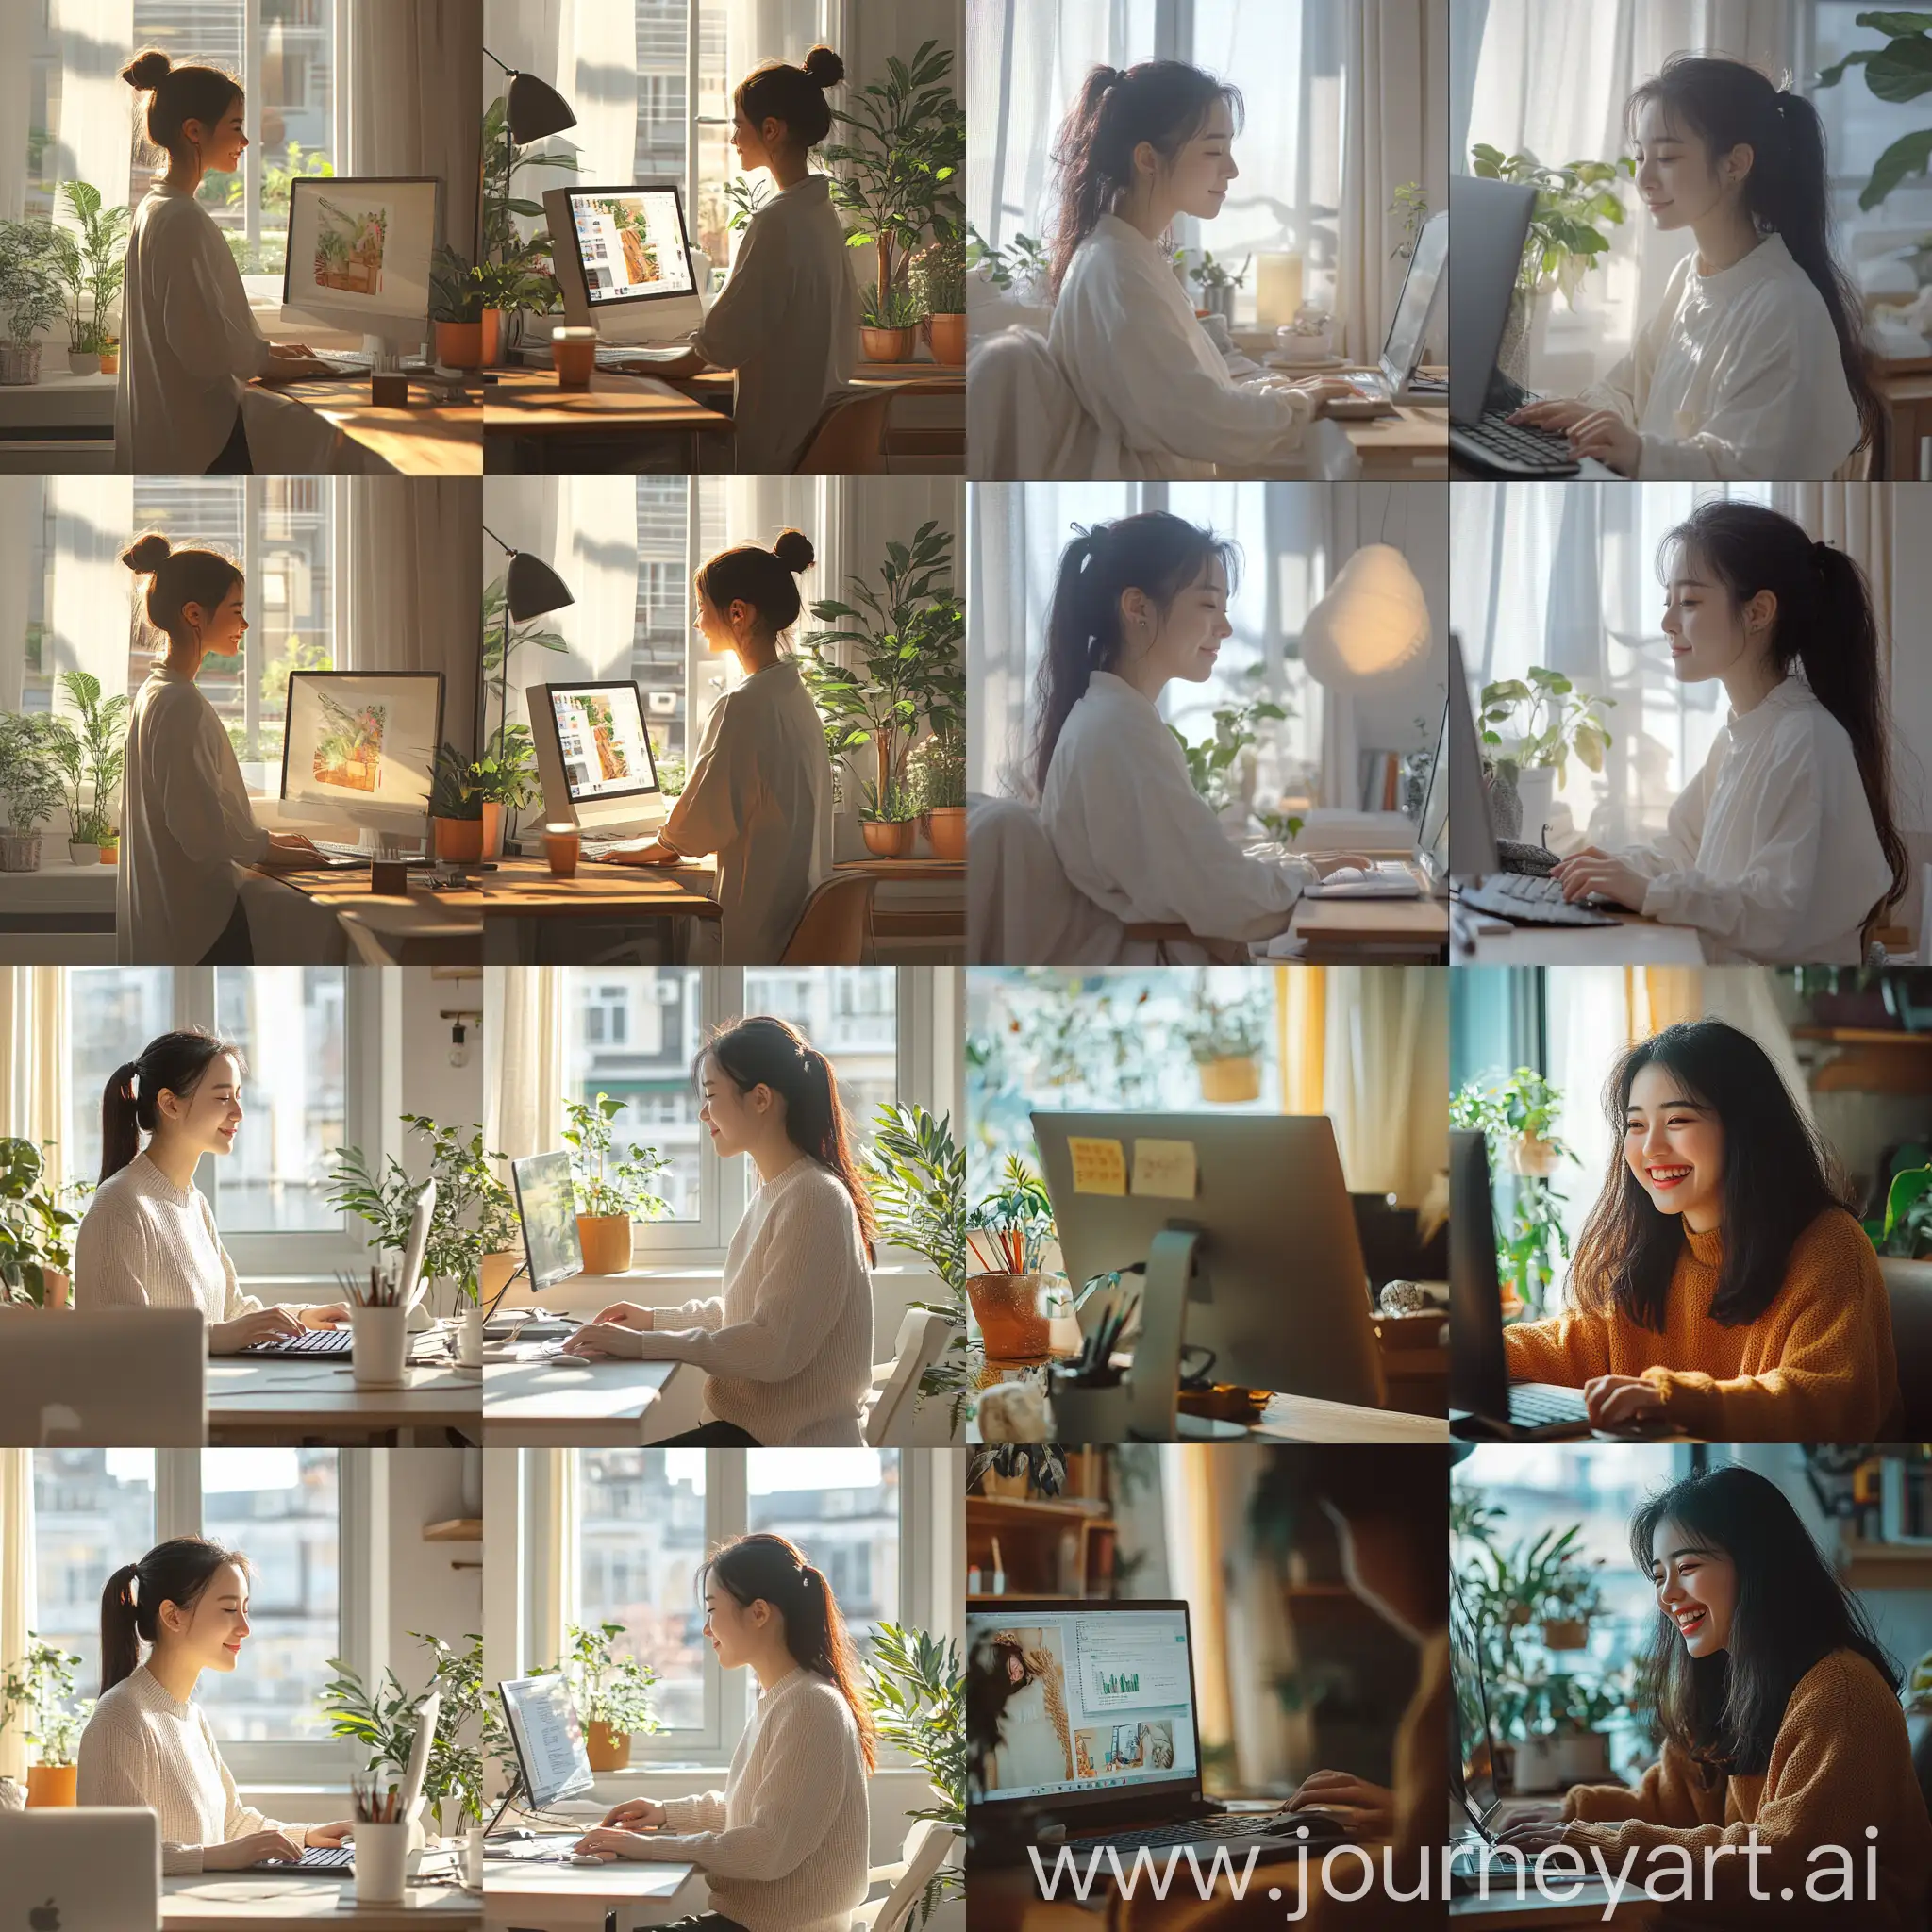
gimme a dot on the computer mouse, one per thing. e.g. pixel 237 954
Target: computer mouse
pixel 1345 876
pixel 585 1858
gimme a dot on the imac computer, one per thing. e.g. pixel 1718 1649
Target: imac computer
pixel 623 261
pixel 359 255
pixel 594 755
pixel 358 751
pixel 546 1207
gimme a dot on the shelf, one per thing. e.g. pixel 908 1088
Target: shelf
pixel 1886 1566
pixel 1869 1060
pixel 458 1529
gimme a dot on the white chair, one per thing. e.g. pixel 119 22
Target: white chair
pixel 922 1337
pixel 925 1851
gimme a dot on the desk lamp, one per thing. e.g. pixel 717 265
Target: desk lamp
pixel 533 110
pixel 530 589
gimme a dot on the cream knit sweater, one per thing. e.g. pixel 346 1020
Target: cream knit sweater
pixel 789 1344
pixel 786 1845
pixel 141 1747
pixel 145 1242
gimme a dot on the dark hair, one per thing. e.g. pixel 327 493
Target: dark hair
pixel 1727 104
pixel 768 1567
pixel 1792 1613
pixel 173 1063
pixel 795 95
pixel 177 578
pixel 765 1052
pixel 1825 623
pixel 176 1571
pixel 1154 552
pixel 1778 1178
pixel 1165 103
pixel 177 95
pixel 765 579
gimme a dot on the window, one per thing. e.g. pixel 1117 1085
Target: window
pixel 841 1507
pixel 112 1012
pixel 1858 126
pixel 94 1512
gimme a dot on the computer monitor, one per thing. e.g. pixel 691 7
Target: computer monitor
pixel 623 263
pixel 1415 310
pixel 1479 1368
pixel 359 748
pixel 546 1206
pixel 359 255
pixel 1432 827
pixel 1472 1763
pixel 1278 1290
pixel 1472 836
pixel 594 757
pixel 1125 1683
pixel 412 1284
pixel 547 1738
pixel 1490 220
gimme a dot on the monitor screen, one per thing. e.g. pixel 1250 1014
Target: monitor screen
pixel 1099 1699
pixel 548 1738
pixel 1474 1735
pixel 601 735
pixel 547 1204
pixel 360 246
pixel 362 744
pixel 1403 351
pixel 632 243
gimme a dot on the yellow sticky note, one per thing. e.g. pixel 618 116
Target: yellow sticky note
pixel 1100 1167
pixel 1165 1168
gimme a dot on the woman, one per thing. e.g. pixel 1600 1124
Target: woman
pixel 1139 148
pixel 147 1742
pixel 1720 1286
pixel 148 1237
pixel 1753 367
pixel 1784 849
pixel 186 818
pixel 188 335
pixel 789 1343
pixel 787 318
pixel 759 795
pixel 1779 1714
pixel 1138 602
pixel 1036 1739
pixel 783 1846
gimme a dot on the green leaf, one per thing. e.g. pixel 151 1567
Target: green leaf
pixel 1908 154
pixel 1831 76
pixel 1902 72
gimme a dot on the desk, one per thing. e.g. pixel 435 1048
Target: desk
pixel 943 922
pixel 1379 932
pixel 223 1901
pixel 532 422
pixel 563 1402
pixel 1410 446
pixel 427 439
pixel 521 1895
pixel 1633 941
pixel 1907 386
pixel 294 1401
pixel 1503 1911
pixel 938 444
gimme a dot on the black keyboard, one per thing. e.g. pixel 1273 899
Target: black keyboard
pixel 1512 449
pixel 314 1858
pixel 1529 900
pixel 310 1341
pixel 1545 1405
pixel 1195 1831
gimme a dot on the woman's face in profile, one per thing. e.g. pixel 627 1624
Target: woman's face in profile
pixel 1675 176
pixel 1697 1587
pixel 1202 171
pixel 1184 640
pixel 210 1117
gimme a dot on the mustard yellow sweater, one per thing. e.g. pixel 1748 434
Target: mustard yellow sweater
pixel 1817 1366
pixel 1842 1761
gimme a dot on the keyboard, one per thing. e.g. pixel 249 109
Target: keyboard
pixel 1529 900
pixel 1545 1405
pixel 542 1847
pixel 313 1858
pixel 1197 1831
pixel 603 848
pixel 1512 449
pixel 310 1341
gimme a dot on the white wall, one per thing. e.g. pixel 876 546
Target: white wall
pixel 1417 523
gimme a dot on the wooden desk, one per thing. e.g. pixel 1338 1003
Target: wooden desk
pixel 1634 941
pixel 225 1901
pixel 1379 932
pixel 563 1402
pixel 532 422
pixel 294 1401
pixel 427 439
pixel 1411 446
pixel 939 922
pixel 1503 1911
pixel 521 1895
pixel 1907 387
pixel 1308 1418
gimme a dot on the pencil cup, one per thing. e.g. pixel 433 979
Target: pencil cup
pixel 1012 1320
pixel 379 1340
pixel 469 1339
pixel 575 352
pixel 1085 1413
pixel 560 847
pixel 382 1853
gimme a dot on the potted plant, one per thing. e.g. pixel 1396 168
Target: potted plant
pixel 111 355
pixel 504 780
pixel 41 1688
pixel 29 296
pixel 90 264
pixel 939 283
pixel 612 1694
pixel 612 1195
pixel 1216 766
pixel 502 285
pixel 1020 265
pixel 90 758
pixel 531 287
pixel 31 783
pixel 1571 1600
pixel 455 309
pixel 1517 1118
pixel 456 809
pixel 1549 720
pixel 36 1231
pixel 1008 1233
pixel 1898 72
pixel 888 819
pixel 1217 283
pixel 1225 1039
pixel 916 1172
pixel 917 1694
pixel 941 786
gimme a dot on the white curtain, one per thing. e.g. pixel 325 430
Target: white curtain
pixel 94 39
pixel 16 1584
pixel 21 502
pixel 525 1023
pixel 1374 1071
pixel 33 1058
pixel 597 554
pixel 87 615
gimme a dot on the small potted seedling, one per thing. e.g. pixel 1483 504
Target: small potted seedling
pixel 612 1695
pixel 939 281
pixel 456 810
pixel 612 1195
pixel 1225 1039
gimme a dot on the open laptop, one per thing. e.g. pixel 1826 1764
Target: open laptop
pixel 93 1869
pixel 1101 1746
pixel 553 1254
pixel 1394 379
pixel 99 1378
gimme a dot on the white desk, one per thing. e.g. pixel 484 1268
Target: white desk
pixel 527 1896
pixel 253 1401
pixel 1633 941
pixel 563 1402
pixel 1307 1419
pixel 225 1901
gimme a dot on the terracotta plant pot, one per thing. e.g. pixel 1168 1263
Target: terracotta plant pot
pixel 111 361
pixel 459 841
pixel 946 828
pixel 495 1275
pixel 1565 1633
pixel 20 852
pixel 1532 1157
pixel 51 1785
pixel 606 1749
pixel 1011 1323
pixel 890 839
pixel 492 829
pixel 492 337
pixel 887 345
pixel 947 335
pixel 57 1289
pixel 110 852
pixel 460 344
pixel 606 1241
pixel 1229 1083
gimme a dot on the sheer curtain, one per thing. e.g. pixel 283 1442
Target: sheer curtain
pixel 1386 1043
pixel 33 1059
pixel 91 598
pixel 16 1582
pixel 524 1018
pixel 403 115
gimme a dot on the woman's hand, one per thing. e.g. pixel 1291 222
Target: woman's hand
pixel 244 1331
pixel 328 1315
pixel 626 1315
pixel 1537 1837
pixel 636 1814
pixel 1335 861
pixel 1606 436
pixel 606 1843
pixel 289 848
pixel 1368 1811
pixel 604 1339
pixel 1591 870
pixel 340 1833
pixel 241 1853
pixel 1535 1814
pixel 292 363
pixel 1323 390
pixel 1558 413
pixel 1613 1400
pixel 655 852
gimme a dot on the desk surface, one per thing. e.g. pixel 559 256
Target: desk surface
pixel 1382 928
pixel 426 440
pixel 291 1398
pixel 885 870
pixel 221 1901
pixel 1308 1418
pixel 564 1402
pixel 1634 941
pixel 531 402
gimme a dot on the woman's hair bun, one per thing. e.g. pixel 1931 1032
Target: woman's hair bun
pixel 825 67
pixel 793 549
pixel 146 555
pixel 148 69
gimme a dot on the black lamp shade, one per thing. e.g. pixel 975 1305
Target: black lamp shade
pixel 530 588
pixel 536 108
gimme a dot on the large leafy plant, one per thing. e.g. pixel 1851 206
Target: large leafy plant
pixel 29 778
pixel 36 1231
pixel 40 1688
pixel 29 280
pixel 608 1689
pixel 1550 720
pixel 916 1172
pixel 1899 72
pixel 92 263
pixel 91 755
pixel 604 1186
pixel 917 1694
pixel 1212 763
pixel 1577 205
pixel 528 278
pixel 1524 1108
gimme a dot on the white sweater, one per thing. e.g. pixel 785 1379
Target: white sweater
pixel 786 1845
pixel 141 1747
pixel 789 1344
pixel 1770 851
pixel 188 340
pixel 1737 375
pixel 144 1243
pixel 186 823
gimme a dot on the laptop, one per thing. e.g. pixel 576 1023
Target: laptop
pixel 1102 1742
pixel 94 1869
pixel 100 1377
pixel 1394 379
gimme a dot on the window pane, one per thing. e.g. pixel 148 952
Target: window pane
pixel 841 1507
pixel 282 1508
pixel 660 636
pixel 851 1014
pixel 288 1022
pixel 112 1012
pixel 94 1512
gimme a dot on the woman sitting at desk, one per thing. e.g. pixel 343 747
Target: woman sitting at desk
pixel 789 1343
pixel 759 793
pixel 1780 1720
pixel 783 1846
pixel 1784 848
pixel 1721 1287
pixel 148 1237
pixel 188 335
pixel 1138 602
pixel 186 820
pixel 147 1744
pixel 787 318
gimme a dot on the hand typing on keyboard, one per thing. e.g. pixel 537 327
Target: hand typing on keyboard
pixel 1622 1402
pixel 1593 871
pixel 1592 431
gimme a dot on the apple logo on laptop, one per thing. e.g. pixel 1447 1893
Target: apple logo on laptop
pixel 45 1918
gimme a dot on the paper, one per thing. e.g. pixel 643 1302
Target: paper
pixel 1165 1168
pixel 1100 1167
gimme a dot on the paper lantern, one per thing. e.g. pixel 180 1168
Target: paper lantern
pixel 1373 624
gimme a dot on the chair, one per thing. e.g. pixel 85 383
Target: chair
pixel 834 926
pixel 850 438
pixel 926 1847
pixel 1908 1290
pixel 921 1340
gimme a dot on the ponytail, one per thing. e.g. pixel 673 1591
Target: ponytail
pixel 120 1645
pixel 176 1571
pixel 1727 104
pixel 771 1569
pixel 1153 552
pixel 765 1052
pixel 173 1063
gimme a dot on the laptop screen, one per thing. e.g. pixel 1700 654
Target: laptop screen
pixel 1474 1765
pixel 1403 352
pixel 1098 1700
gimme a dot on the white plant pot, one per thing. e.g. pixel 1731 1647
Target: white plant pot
pixel 470 1337
pixel 83 855
pixel 382 1858
pixel 380 1346
pixel 1539 1766
pixel 83 362
pixel 1583 1758
pixel 1536 785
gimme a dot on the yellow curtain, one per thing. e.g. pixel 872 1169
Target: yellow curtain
pixel 16 1583
pixel 33 1053
pixel 1301 1013
pixel 1659 996
pixel 1203 1586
